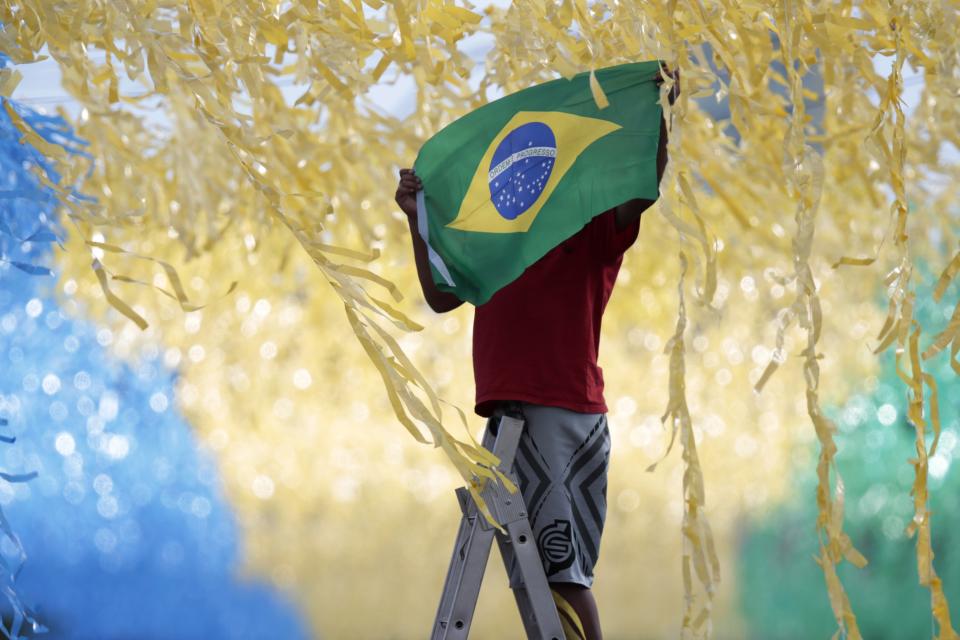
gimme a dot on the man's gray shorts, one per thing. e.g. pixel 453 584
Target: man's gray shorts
pixel 561 466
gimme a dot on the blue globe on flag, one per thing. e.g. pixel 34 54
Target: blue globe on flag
pixel 520 168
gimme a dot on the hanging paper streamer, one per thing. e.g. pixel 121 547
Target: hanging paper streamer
pixel 873 433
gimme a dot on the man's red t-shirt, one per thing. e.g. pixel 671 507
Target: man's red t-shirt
pixel 537 339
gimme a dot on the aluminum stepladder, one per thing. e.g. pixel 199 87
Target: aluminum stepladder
pixel 472 548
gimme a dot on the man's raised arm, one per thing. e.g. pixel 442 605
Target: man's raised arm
pixel 631 210
pixel 406 197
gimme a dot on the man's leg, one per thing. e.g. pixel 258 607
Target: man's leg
pixel 561 464
pixel 584 623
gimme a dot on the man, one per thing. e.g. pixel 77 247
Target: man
pixel 535 347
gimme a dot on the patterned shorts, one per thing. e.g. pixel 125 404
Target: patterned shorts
pixel 561 466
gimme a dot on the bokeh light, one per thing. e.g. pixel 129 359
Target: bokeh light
pixel 124 525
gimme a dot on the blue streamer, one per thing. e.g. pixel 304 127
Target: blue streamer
pixel 25 232
pixel 25 225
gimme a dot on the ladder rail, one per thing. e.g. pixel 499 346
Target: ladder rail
pixel 471 551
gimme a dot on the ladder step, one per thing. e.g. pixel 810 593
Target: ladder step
pixel 472 549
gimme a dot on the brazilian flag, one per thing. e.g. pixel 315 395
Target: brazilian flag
pixel 511 180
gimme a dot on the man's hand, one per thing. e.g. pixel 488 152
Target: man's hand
pixel 439 301
pixel 407 192
pixel 665 72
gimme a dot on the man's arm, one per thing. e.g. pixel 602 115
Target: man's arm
pixel 631 210
pixel 406 197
